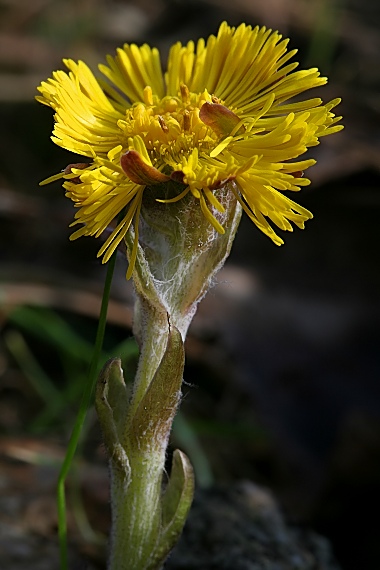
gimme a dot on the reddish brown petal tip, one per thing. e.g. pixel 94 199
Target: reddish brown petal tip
pixel 140 172
pixel 69 170
pixel 219 118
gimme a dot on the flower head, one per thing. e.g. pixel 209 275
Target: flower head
pixel 220 113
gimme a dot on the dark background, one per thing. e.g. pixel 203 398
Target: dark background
pixel 283 355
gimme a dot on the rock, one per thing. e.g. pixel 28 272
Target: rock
pixel 242 528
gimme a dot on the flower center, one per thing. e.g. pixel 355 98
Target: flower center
pixel 170 127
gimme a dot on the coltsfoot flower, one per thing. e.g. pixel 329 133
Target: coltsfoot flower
pixel 220 113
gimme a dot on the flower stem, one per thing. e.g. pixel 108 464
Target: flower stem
pixel 145 521
pixel 85 402
pixel 136 512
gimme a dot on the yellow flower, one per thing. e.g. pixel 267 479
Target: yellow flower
pixel 219 114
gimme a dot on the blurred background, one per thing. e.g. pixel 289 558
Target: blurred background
pixel 282 375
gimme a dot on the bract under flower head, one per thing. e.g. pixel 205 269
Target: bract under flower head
pixel 220 113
